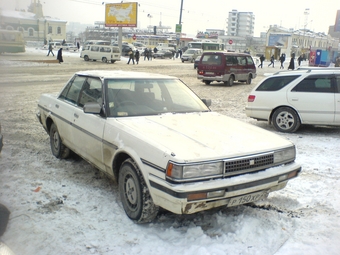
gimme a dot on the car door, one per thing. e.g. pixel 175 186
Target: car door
pixel 88 128
pixel 337 99
pixel 63 110
pixel 313 98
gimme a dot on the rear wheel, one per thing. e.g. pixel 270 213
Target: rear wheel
pixel 207 82
pixel 104 59
pixel 59 150
pixel 231 81
pixel 134 194
pixel 86 58
pixel 112 61
pixel 248 81
pixel 286 120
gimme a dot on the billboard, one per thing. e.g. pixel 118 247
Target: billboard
pixel 337 22
pixel 121 15
pixel 278 40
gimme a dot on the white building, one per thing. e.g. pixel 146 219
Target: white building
pixel 241 23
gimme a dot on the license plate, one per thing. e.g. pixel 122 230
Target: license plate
pixel 209 73
pixel 247 198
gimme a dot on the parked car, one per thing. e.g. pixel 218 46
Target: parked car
pixel 1 139
pixel 70 47
pixel 162 144
pixel 191 54
pixel 197 60
pixel 163 54
pixel 226 67
pixel 291 98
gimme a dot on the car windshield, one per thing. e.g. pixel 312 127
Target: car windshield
pixel 140 97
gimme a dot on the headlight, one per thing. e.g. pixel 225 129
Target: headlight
pixel 285 155
pixel 183 172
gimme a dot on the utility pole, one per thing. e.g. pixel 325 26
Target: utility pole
pixel 180 13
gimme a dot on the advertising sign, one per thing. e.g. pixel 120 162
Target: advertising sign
pixel 279 40
pixel 121 15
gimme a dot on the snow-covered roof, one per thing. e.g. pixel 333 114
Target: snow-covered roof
pixel 25 15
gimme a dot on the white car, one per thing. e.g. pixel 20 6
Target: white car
pixel 70 47
pixel 290 98
pixel 162 144
pixel 191 54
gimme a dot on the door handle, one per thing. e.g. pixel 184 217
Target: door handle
pixel 76 115
pixel 56 106
pixel 295 99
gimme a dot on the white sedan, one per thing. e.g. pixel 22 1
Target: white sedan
pixel 162 144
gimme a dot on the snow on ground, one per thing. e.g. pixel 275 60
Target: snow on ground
pixel 68 207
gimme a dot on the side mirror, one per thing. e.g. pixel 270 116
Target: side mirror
pixel 207 102
pixel 92 107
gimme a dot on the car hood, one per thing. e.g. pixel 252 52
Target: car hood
pixel 199 136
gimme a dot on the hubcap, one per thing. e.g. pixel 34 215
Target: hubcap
pixel 285 120
pixel 130 191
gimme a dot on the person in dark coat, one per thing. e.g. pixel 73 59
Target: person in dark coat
pixel 78 45
pixel 271 61
pixel 131 57
pixel 137 56
pixel 146 53
pixel 299 60
pixel 60 55
pixel 50 50
pixel 282 60
pixel 291 63
pixel 261 61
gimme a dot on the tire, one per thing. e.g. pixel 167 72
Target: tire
pixel 134 194
pixel 248 81
pixel 112 61
pixel 182 61
pixel 231 81
pixel 86 58
pixel 207 82
pixel 104 60
pixel 286 120
pixel 59 150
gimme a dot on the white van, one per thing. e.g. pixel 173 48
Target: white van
pixel 104 53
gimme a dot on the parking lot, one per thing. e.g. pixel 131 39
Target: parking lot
pixel 68 207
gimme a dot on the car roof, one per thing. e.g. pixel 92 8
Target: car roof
pixel 307 70
pixel 225 53
pixel 119 74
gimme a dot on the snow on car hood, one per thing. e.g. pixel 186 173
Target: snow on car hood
pixel 202 136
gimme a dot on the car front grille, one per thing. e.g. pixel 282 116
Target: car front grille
pixel 248 164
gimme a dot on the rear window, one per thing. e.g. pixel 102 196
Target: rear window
pixel 212 59
pixel 315 84
pixel 276 83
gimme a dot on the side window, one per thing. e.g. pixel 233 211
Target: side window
pixel 94 48
pixel 337 80
pixel 315 84
pixel 231 60
pixel 250 60
pixel 115 50
pixel 72 90
pixel 91 92
pixel 241 61
pixel 276 83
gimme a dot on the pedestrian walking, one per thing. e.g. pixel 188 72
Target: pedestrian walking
pixel 261 61
pixel 271 61
pixel 173 54
pixel 146 53
pixel 78 46
pixel 137 56
pixel 150 54
pixel 299 60
pixel 291 63
pixel 50 50
pixel 131 57
pixel 282 60
pixel 60 55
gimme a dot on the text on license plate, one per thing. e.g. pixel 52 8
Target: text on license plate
pixel 209 73
pixel 247 198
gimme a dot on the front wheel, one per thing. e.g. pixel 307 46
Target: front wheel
pixel 134 194
pixel 59 150
pixel 248 81
pixel 286 120
pixel 231 81
pixel 86 58
pixel 104 59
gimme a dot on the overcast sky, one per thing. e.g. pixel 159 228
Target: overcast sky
pixel 198 15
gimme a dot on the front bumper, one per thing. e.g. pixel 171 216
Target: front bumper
pixel 187 198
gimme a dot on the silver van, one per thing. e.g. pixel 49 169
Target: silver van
pixel 105 53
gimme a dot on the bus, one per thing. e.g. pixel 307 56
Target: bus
pixel 11 41
pixel 206 46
